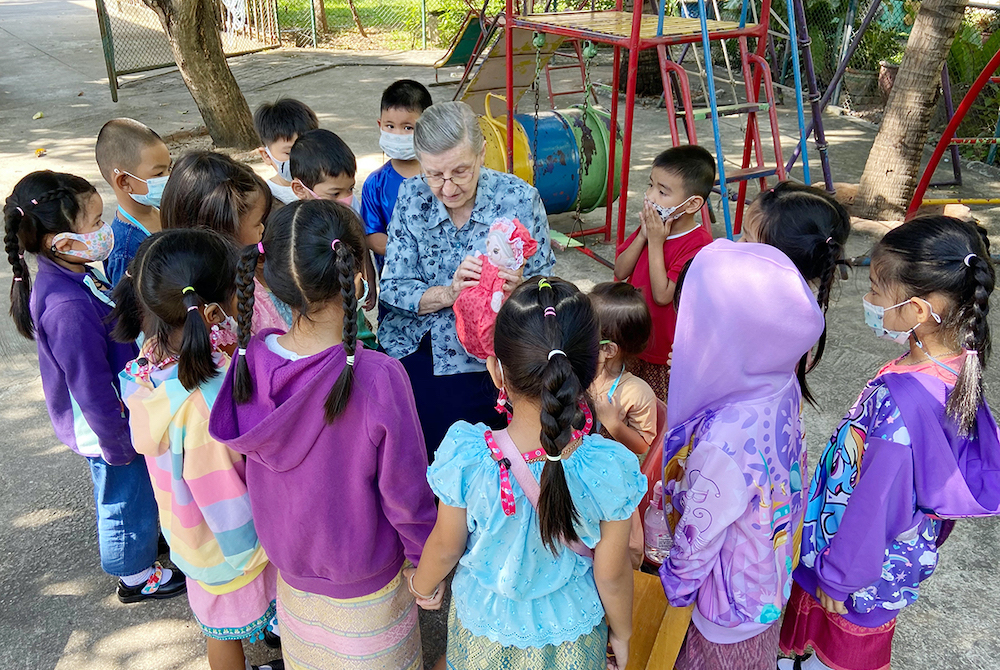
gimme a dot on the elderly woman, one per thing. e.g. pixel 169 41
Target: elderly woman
pixel 441 219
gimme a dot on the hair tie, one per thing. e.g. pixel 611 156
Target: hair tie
pixel 128 274
pixel 968 260
pixel 544 283
pixel 350 360
pixel 554 459
pixel 556 352
pixel 241 352
pixel 18 279
pixel 187 289
pixel 34 202
pixel 333 245
pixel 550 311
pixel 192 308
pixel 260 248
pixel 20 210
pixel 829 240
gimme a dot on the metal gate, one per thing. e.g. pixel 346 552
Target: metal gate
pixel 134 41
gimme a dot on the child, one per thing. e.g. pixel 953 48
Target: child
pixel 625 405
pixel 810 227
pixel 57 217
pixel 403 102
pixel 136 164
pixel 179 292
pixel 733 413
pixel 919 445
pixel 339 505
pixel 211 190
pixel 667 237
pixel 278 125
pixel 323 168
pixel 528 591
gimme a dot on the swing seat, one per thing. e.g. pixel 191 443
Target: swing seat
pixel 463 46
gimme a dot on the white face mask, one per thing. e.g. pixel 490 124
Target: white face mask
pixel 397 146
pixel 668 213
pixel 284 168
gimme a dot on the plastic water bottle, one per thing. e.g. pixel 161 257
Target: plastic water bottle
pixel 658 537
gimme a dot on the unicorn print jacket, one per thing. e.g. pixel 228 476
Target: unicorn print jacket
pixel 734 455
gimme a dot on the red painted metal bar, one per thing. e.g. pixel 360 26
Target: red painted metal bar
pixel 949 132
pixel 668 96
pixel 633 70
pixel 612 144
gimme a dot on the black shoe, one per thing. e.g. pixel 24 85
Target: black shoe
pixel 276 664
pixel 162 548
pixel 271 640
pixel 154 589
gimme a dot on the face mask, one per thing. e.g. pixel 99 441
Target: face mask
pixel 667 213
pixel 99 244
pixel 875 319
pixel 284 168
pixel 224 334
pixel 154 189
pixel 397 146
pixel 367 289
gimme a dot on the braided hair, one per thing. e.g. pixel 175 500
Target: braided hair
pixel 42 203
pixel 313 251
pixel 944 255
pixel 547 339
pixel 173 275
pixel 810 227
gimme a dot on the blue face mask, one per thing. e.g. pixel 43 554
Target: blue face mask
pixel 154 190
pixel 875 319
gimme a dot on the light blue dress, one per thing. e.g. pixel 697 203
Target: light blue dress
pixel 508 586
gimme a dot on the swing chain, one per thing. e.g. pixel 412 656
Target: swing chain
pixel 588 52
pixel 538 41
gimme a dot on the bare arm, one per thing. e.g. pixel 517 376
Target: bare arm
pixel 657 230
pixel 613 575
pixel 444 548
pixel 626 435
pixel 625 263
pixel 437 298
pixel 377 242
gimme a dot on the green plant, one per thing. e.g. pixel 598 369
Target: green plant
pixel 877 45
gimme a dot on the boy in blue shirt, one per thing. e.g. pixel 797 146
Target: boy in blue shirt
pixel 402 104
pixel 136 163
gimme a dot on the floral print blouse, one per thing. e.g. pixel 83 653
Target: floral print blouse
pixel 425 249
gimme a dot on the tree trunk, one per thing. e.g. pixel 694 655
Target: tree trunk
pixel 192 27
pixel 319 10
pixel 890 175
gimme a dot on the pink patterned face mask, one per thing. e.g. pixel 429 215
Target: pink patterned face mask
pixel 99 244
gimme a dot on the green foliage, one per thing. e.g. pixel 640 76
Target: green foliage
pixel 968 56
pixel 878 44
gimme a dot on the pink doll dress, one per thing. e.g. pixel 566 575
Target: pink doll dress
pixel 477 306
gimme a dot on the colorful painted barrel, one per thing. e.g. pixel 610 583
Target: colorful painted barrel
pixel 592 131
pixel 495 134
pixel 556 160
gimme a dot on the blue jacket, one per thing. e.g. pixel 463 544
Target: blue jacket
pixel 80 362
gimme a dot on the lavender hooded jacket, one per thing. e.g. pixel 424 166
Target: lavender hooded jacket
pixel 746 317
pixel 893 466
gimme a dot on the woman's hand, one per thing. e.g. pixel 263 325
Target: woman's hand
pixel 511 278
pixel 467 275
pixel 432 603
pixel 829 604
pixel 617 652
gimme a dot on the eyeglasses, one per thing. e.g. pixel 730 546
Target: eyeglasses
pixel 458 178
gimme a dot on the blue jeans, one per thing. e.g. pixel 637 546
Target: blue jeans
pixel 127 525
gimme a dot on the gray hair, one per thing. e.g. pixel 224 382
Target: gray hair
pixel 444 126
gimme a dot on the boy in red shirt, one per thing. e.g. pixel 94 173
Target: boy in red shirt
pixel 667 238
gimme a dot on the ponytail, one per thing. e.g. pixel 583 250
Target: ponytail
pixel 20 286
pixel 245 272
pixel 127 312
pixel 561 392
pixel 974 335
pixel 346 265
pixel 196 362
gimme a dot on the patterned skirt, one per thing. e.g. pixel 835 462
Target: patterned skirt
pixel 242 614
pixel 837 642
pixel 374 631
pixel 657 376
pixel 757 653
pixel 473 652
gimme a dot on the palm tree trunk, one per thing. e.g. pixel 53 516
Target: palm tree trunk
pixel 890 175
pixel 192 27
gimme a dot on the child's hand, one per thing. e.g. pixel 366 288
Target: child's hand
pixel 829 604
pixel 656 230
pixel 432 603
pixel 617 652
pixel 372 300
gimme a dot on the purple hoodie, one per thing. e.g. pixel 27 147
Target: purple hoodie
pixel 734 453
pixel 336 506
pixel 893 466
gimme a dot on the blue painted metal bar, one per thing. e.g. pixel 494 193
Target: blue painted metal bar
pixel 713 104
pixel 743 14
pixel 793 42
pixel 659 23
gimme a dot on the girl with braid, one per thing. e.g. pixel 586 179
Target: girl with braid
pixel 179 291
pixel 544 578
pixel 335 454
pixel 57 217
pixel 920 445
